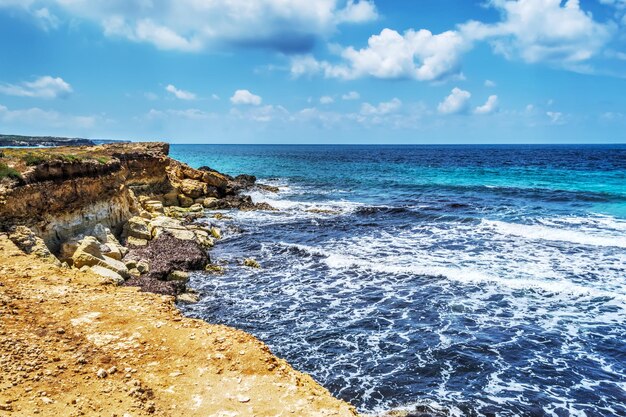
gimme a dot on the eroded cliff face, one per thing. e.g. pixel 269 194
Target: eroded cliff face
pixel 60 198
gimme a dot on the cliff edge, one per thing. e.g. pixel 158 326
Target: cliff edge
pixel 81 229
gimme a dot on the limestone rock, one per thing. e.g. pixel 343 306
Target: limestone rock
pixel 29 242
pixel 210 202
pixel 193 188
pixel 133 241
pixel 188 298
pixel 137 227
pixel 184 200
pixel 216 232
pixel 107 273
pixel 178 276
pixel 251 263
pixel 171 226
pixel 90 254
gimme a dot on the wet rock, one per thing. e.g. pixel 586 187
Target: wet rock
pixel 251 263
pixel 188 298
pixel 178 276
pixel 216 232
pixel 210 202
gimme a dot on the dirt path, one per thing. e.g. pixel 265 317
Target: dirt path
pixel 70 346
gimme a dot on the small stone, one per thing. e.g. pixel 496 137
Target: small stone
pixel 61 330
pixel 46 400
pixel 251 263
pixel 101 373
pixel 216 232
pixel 243 399
pixel 112 370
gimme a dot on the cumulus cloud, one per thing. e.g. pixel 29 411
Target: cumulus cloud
pixel 489 84
pixel 457 102
pixel 43 87
pixel 358 12
pixel 327 100
pixel 542 31
pixel 490 106
pixel 352 95
pixel 180 94
pixel 556 117
pixel 419 55
pixel 382 108
pixel 246 97
pixel 550 31
pixel 192 25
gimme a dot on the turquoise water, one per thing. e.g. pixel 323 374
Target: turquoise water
pixel 473 280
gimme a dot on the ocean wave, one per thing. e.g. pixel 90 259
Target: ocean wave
pixel 534 231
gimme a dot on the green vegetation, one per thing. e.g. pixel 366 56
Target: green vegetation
pixel 31 159
pixel 8 172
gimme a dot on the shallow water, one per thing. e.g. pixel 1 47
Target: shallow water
pixel 485 280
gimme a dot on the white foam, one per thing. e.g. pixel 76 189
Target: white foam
pixel 554 234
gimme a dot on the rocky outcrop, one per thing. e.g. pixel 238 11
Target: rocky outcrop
pixel 69 192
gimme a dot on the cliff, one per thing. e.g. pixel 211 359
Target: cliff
pixel 16 140
pixel 81 229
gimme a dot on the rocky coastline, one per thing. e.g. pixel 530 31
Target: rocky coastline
pixel 82 226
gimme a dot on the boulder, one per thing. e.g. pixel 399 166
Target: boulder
pixel 196 208
pixel 153 206
pixel 137 227
pixel 185 201
pixel 210 202
pixel 193 188
pixel 107 273
pixel 188 298
pixel 89 254
pixel 216 232
pixel 174 227
pixel 133 241
pixel 178 276
pixel 170 198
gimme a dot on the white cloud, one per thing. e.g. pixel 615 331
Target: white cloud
pixel 490 106
pixel 193 25
pixel 418 55
pixel 215 97
pixel 456 102
pixel 543 31
pixel 327 100
pixel 180 94
pixel 43 87
pixel 382 108
pixel 489 84
pixel 35 118
pixel 556 117
pixel 362 11
pixel 246 97
pixel 352 95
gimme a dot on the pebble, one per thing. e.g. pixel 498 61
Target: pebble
pixel 101 373
pixel 243 399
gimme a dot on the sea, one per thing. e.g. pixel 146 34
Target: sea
pixel 448 280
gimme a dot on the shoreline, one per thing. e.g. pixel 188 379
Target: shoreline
pixel 79 335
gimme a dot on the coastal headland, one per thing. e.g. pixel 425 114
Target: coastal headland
pixel 96 244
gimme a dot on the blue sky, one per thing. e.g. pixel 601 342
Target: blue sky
pixel 315 71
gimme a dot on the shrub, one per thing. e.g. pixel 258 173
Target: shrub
pixel 32 159
pixel 8 172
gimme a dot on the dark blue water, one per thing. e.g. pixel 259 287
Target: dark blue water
pixel 476 280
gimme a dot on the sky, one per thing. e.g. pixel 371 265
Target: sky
pixel 315 71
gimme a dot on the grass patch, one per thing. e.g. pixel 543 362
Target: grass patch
pixel 31 159
pixel 102 160
pixel 8 172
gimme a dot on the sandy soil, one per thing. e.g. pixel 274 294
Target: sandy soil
pixel 71 346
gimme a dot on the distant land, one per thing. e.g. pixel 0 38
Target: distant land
pixel 17 140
